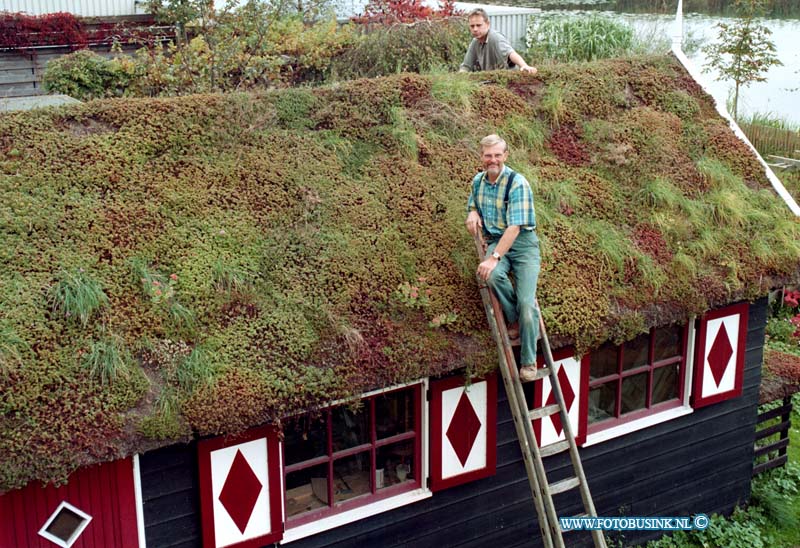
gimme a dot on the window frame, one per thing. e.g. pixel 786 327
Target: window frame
pixel 364 501
pixel 668 408
pixel 86 518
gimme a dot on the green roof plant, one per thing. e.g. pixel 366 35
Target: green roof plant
pixel 77 296
pixel 107 359
pixel 255 255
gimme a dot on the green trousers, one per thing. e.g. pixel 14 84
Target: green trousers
pixel 524 262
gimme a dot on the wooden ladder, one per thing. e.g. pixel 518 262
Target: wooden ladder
pixel 541 489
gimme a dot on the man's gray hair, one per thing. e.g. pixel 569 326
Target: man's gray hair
pixel 493 139
pixel 478 11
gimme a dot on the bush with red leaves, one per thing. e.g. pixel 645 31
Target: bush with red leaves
pixel 783 364
pixel 18 30
pixel 389 12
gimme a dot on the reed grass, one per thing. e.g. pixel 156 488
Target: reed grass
pixel 77 296
pixel 108 359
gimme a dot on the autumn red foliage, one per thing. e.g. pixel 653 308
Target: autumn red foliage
pixel 389 12
pixel 18 30
pixel 21 31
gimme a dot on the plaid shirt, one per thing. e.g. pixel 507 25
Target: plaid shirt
pixel 487 199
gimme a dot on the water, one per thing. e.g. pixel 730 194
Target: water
pixel 778 96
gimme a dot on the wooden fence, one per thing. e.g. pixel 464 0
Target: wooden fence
pixel 772 440
pixel 771 140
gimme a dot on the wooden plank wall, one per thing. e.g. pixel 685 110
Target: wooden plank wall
pixel 701 462
pixel 104 491
pixel 171 497
pixel 21 72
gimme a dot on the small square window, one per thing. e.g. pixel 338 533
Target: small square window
pixel 65 525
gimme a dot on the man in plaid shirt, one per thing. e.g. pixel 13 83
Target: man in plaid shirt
pixel 501 205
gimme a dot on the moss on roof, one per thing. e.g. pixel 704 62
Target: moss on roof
pixel 198 265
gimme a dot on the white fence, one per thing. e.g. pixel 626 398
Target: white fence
pixel 83 8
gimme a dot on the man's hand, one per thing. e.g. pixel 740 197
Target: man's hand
pixel 486 267
pixel 474 223
pixel 529 69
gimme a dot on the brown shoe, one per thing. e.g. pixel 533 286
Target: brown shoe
pixel 527 373
pixel 513 331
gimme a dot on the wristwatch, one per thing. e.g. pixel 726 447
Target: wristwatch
pixel 496 255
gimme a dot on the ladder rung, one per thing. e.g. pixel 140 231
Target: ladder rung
pixel 564 485
pixel 545 411
pixel 554 448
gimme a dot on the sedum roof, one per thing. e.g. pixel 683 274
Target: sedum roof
pixel 198 265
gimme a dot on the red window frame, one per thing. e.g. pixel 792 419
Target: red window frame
pixel 649 368
pixel 372 446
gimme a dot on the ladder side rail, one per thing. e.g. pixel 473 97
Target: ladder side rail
pixel 513 387
pixel 555 386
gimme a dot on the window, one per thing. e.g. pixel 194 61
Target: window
pixel 641 377
pixel 352 455
pixel 65 525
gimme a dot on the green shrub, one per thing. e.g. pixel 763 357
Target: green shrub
pixel 781 330
pixel 235 56
pixel 420 47
pixel 77 296
pixel 578 38
pixel 86 75
pixel 740 530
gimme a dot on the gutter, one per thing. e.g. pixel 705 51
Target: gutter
pixel 677 39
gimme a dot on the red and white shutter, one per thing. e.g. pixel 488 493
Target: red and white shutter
pixel 463 429
pixel 719 363
pixel 241 490
pixel 573 377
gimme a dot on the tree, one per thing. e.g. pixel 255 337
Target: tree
pixel 744 51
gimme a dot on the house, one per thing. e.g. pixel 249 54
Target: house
pixel 251 319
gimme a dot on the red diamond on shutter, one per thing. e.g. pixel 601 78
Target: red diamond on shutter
pixel 240 492
pixel 463 429
pixel 720 354
pixel 569 396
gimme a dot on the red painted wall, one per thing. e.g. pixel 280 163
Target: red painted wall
pixel 104 491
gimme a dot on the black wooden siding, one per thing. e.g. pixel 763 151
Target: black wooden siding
pixel 697 463
pixel 171 497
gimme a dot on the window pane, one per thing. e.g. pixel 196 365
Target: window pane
pixel 668 343
pixel 395 463
pixel 665 383
pixel 351 476
pixel 603 361
pixel 634 392
pixel 304 439
pixel 350 428
pixel 394 413
pixel 602 400
pixel 306 490
pixel 634 353
pixel 65 524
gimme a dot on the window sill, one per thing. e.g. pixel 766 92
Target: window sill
pixel 638 424
pixel 362 512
